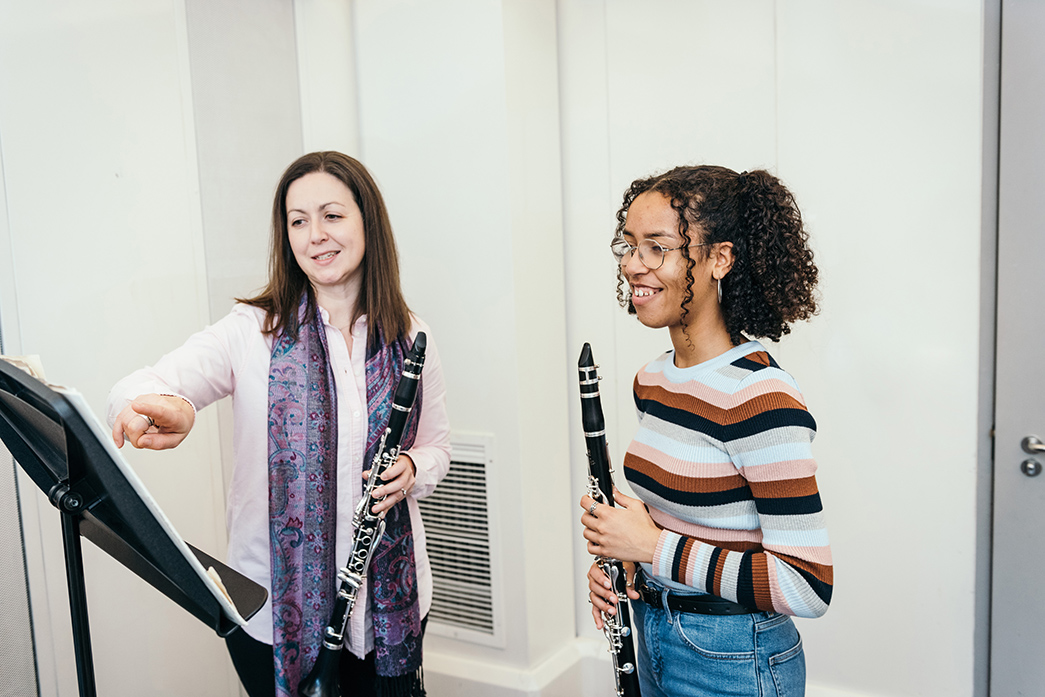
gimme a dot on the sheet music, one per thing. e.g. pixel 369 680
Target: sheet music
pixel 104 435
pixel 30 363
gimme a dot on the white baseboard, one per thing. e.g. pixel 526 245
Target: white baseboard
pixel 581 668
pixel 813 690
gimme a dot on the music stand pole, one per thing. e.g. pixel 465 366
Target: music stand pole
pixel 71 505
pixel 56 438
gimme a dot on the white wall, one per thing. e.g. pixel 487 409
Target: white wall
pixel 458 122
pixel 138 163
pixel 107 256
pixel 880 122
pixel 871 112
pixel 503 134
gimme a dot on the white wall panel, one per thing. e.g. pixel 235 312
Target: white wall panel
pixel 588 207
pixel 871 113
pixel 880 135
pixel 458 122
pixel 432 131
pixel 646 87
pixel 543 368
pixel 97 122
pixel 247 120
pixel 687 83
pixel 327 75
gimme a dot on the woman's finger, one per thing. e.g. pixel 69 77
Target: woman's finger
pixel 394 491
pixel 601 604
pixel 169 414
pixel 623 500
pixel 604 604
pixel 160 441
pixel 402 464
pixel 156 412
pixel 398 477
pixel 597 616
pixel 599 586
pixel 598 577
pixel 142 421
pixel 119 425
pixel 151 415
pixel 591 521
pixel 391 499
pixel 604 599
pixel 586 503
pixel 130 426
pixel 629 574
pixel 600 595
pixel 398 481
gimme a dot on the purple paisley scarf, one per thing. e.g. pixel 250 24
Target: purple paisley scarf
pixel 302 446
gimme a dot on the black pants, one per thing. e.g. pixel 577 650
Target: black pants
pixel 253 662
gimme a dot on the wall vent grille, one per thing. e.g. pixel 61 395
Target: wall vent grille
pixel 459 532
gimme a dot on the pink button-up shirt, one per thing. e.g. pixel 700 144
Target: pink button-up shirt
pixel 231 357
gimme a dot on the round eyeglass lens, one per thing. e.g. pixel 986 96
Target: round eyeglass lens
pixel 651 254
pixel 620 249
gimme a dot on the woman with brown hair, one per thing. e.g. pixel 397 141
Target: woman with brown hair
pixel 311 364
pixel 726 539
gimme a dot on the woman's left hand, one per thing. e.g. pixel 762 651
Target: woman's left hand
pixel 398 481
pixel 627 532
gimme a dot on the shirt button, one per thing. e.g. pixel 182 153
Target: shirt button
pixel 355 414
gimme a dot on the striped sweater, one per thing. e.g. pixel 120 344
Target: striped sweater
pixel 722 459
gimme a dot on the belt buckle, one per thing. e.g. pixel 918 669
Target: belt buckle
pixel 647 594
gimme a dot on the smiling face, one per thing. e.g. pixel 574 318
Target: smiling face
pixel 325 230
pixel 658 294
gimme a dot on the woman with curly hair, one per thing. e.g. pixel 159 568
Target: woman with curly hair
pixel 727 537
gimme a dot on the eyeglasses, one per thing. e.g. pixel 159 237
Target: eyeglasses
pixel 651 254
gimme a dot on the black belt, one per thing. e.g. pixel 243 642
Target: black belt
pixel 699 604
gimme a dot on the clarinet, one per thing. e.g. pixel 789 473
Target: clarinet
pixel 322 681
pixel 617 627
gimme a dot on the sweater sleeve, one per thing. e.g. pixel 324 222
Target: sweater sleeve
pixel 768 441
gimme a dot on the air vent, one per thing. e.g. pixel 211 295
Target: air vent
pixel 459 531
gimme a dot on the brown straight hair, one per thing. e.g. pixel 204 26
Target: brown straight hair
pixel 380 297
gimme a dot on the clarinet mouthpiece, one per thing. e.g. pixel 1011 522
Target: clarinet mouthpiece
pixel 586 361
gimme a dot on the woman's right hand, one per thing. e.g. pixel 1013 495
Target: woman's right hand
pixel 601 595
pixel 155 422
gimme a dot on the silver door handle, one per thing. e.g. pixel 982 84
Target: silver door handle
pixel 1033 445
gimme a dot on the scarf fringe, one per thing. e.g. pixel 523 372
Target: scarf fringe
pixel 409 685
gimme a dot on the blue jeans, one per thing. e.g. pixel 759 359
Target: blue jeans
pixel 683 654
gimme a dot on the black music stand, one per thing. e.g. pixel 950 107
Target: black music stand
pixel 62 446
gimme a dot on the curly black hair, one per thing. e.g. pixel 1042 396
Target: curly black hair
pixel 773 279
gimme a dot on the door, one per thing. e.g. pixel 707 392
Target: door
pixel 1018 567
